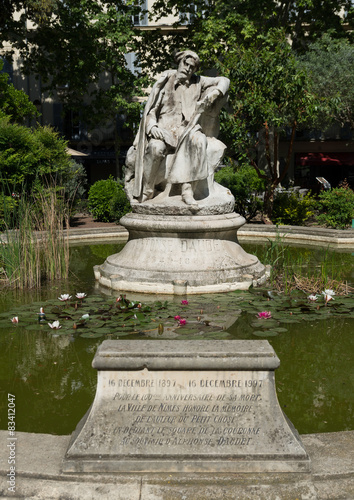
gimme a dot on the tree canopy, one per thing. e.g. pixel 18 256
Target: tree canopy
pixel 14 103
pixel 330 63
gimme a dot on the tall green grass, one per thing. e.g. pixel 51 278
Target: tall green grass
pixel 34 247
pixel 291 271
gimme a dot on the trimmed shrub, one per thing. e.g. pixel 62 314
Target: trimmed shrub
pixel 336 207
pixel 29 156
pixel 107 201
pixel 291 208
pixel 120 204
pixel 245 185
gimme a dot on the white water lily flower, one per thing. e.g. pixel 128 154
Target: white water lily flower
pixel 85 316
pixel 80 295
pixel 55 325
pixel 64 297
pixel 328 296
pixel 312 297
pixel 14 319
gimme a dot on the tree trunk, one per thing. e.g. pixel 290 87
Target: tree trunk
pixel 268 203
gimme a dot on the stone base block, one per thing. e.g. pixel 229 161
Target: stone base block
pixel 186 406
pixel 181 254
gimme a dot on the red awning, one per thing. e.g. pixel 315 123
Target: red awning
pixel 312 159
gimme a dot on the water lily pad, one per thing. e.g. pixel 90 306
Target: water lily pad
pixel 185 330
pixel 265 333
pixel 91 335
pixel 5 323
pixel 103 330
pixel 264 323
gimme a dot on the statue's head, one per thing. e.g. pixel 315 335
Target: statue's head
pixel 188 62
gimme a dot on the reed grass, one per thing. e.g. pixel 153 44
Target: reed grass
pixel 298 273
pixel 34 247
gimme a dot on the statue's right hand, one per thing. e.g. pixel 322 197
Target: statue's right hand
pixel 157 133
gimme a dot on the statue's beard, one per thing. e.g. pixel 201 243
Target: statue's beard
pixel 182 79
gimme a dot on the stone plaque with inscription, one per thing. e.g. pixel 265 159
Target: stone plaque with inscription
pixel 185 406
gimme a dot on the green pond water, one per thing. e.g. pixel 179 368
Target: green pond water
pixel 49 371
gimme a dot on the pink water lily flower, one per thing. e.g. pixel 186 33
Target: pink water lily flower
pixel 184 302
pixel 55 325
pixel 14 320
pixel 177 317
pixel 182 322
pixel 264 315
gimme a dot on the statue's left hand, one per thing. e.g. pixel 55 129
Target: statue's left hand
pixel 210 98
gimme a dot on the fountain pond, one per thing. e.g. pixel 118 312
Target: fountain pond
pixel 49 370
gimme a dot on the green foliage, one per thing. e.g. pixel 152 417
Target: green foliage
pixel 217 21
pixel 14 103
pixel 336 207
pixel 119 204
pixel 80 51
pixel 75 182
pixel 291 208
pixel 31 156
pixel 26 259
pixel 244 184
pixel 107 201
pixel 269 93
pixel 8 211
pixel 330 63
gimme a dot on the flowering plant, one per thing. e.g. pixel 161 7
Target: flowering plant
pixel 312 298
pixel 64 297
pixel 55 325
pixel 264 315
pixel 328 295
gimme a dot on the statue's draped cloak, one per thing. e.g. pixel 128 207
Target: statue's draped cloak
pixel 189 163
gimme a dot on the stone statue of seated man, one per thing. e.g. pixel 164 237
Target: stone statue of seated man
pixel 176 152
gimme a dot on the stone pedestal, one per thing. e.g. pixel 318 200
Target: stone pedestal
pixel 181 254
pixel 185 406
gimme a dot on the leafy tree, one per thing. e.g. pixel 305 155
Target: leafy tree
pixel 79 52
pixel 330 62
pixel 302 20
pixel 10 26
pixel 268 91
pixel 14 103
